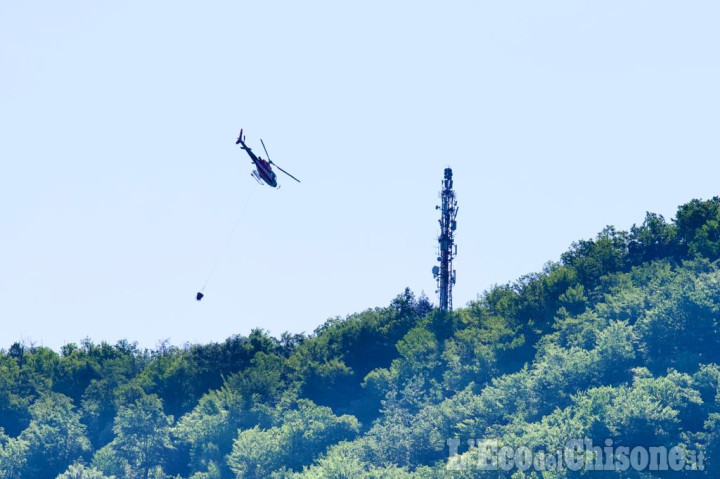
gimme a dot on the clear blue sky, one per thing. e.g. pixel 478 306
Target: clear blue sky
pixel 120 179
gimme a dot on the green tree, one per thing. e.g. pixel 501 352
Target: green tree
pixel 209 429
pixel 698 226
pixel 654 239
pixel 593 259
pixel 55 436
pixel 13 456
pixel 305 432
pixel 79 471
pixel 142 435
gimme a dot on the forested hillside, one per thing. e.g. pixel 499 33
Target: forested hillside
pixel 617 340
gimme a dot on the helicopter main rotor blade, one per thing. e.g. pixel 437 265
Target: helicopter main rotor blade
pixel 291 176
pixel 266 153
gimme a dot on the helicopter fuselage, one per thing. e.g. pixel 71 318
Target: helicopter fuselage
pixel 263 170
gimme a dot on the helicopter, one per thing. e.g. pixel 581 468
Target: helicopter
pixel 263 172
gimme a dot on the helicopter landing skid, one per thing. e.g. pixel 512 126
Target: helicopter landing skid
pixel 256 175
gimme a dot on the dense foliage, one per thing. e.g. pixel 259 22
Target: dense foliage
pixel 619 339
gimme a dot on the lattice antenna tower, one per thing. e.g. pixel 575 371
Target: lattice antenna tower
pixel 447 249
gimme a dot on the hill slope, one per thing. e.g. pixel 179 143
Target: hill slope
pixel 616 345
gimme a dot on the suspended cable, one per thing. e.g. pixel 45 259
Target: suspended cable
pixel 200 294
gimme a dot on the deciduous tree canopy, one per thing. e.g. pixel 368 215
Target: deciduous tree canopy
pixel 618 339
